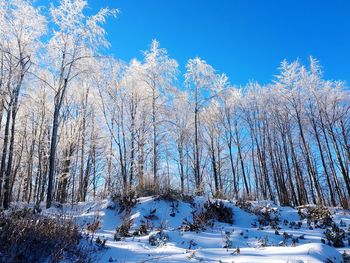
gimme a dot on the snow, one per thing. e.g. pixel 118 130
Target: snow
pixel 209 244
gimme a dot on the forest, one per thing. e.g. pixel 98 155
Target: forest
pixel 78 125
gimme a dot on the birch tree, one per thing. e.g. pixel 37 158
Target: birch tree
pixel 21 27
pixel 159 73
pixel 78 37
pixel 198 79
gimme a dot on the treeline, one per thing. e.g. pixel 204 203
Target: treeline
pixel 76 125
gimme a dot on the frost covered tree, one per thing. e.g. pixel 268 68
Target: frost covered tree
pixel 180 130
pixel 21 27
pixel 199 78
pixel 231 103
pixel 159 72
pixel 77 126
pixel 76 38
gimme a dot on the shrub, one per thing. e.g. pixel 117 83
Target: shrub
pixel 318 215
pixel 346 257
pixel 262 242
pixel 142 230
pixel 123 230
pixel 93 227
pixel 126 202
pixel 295 225
pixel 148 189
pixel 287 236
pixel 212 211
pixel 218 211
pixel 335 236
pixel 187 198
pixel 244 205
pixel 200 220
pixel 219 195
pixel 267 215
pixel 158 239
pixel 169 194
pixel 100 243
pixel 27 237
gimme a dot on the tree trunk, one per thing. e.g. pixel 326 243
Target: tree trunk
pixel 4 150
pixel 52 157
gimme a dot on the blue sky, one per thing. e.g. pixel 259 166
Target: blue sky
pixel 247 39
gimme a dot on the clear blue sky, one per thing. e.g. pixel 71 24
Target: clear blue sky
pixel 247 39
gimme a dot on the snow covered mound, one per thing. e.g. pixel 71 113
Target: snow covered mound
pixel 156 230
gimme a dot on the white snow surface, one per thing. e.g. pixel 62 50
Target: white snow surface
pixel 209 244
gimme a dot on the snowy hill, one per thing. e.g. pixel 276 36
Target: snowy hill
pixel 248 239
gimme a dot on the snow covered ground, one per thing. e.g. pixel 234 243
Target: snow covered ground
pixel 250 243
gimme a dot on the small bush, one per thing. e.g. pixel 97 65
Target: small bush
pixel 142 230
pixel 219 195
pixel 125 202
pixel 295 225
pixel 335 236
pixel 200 221
pixel 187 198
pixel 244 205
pixel 287 236
pixel 268 216
pixel 122 231
pixel 100 243
pixel 218 211
pixel 27 237
pixel 158 239
pixel 148 189
pixel 169 195
pixel 318 215
pixel 94 226
pixel 346 257
pixel 263 242
pixel 212 211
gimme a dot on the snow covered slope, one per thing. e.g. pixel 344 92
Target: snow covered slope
pixel 248 242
